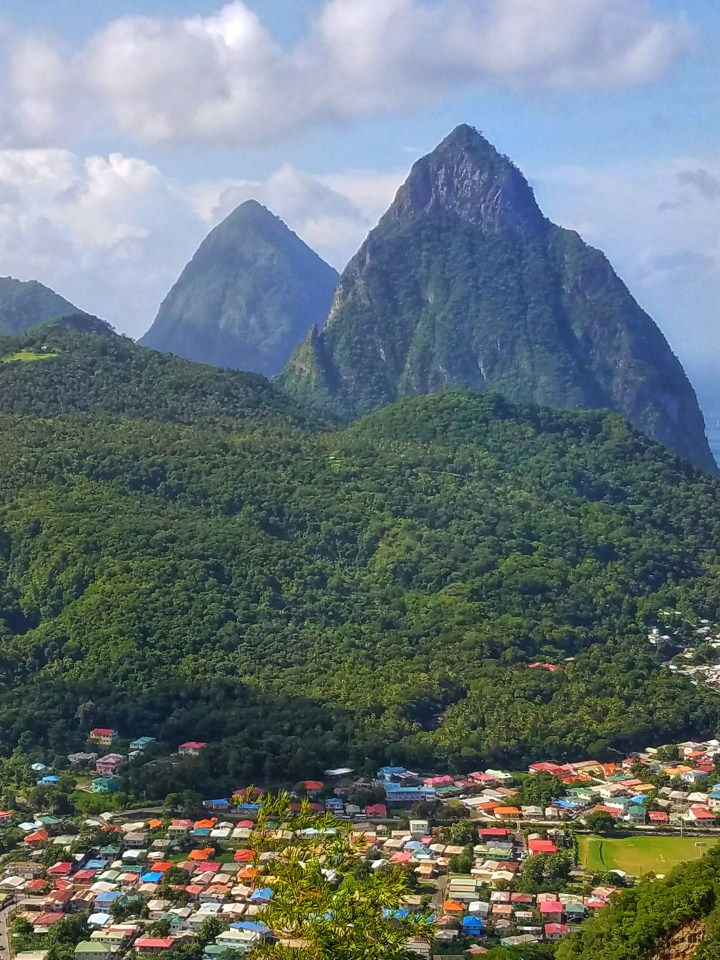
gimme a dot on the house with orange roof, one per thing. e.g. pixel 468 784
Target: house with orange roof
pixel 453 907
pixel 36 838
pixel 313 786
pixel 206 853
pixel 508 813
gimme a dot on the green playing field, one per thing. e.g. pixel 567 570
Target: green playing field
pixel 638 855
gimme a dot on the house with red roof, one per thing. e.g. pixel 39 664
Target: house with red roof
pixel 191 748
pixel 153 944
pixel 701 814
pixel 546 766
pixel 376 810
pixel 552 911
pixel 541 846
pixel 103 735
pixel 556 931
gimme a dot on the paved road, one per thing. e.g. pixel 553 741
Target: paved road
pixel 6 914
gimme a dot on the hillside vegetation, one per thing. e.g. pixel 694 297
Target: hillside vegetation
pixel 300 598
pixel 87 367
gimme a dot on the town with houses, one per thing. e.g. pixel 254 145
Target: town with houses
pixel 477 854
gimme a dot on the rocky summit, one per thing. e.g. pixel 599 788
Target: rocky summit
pixel 247 298
pixel 464 282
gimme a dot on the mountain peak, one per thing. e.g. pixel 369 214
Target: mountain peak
pixel 465 283
pixel 247 298
pixel 467 177
pixel 25 303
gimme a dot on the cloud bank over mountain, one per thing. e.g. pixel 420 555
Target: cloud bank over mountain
pixel 224 78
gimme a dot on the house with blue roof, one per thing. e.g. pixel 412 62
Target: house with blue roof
pixel 389 773
pixel 48 780
pixel 107 898
pixel 394 793
pixel 263 894
pixel 254 926
pixel 153 877
pixel 473 925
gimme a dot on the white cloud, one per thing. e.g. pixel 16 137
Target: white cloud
pixel 223 78
pixel 112 233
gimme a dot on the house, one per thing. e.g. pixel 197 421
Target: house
pixel 396 794
pixel 153 944
pixel 109 765
pixel 701 815
pixel 142 743
pixel 103 735
pixel 556 931
pixel 37 838
pixel 82 759
pixel 313 786
pixel 658 816
pixel 636 814
pixel 473 925
pixel 541 846
pixel 555 769
pixel 95 950
pixel 380 810
pixel 105 785
pixel 191 748
pixel 552 911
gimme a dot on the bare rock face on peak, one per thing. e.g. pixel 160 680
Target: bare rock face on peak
pixel 247 298
pixel 464 282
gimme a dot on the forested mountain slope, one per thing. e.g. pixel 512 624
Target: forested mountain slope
pixel 465 283
pixel 300 598
pixel 24 303
pixel 78 363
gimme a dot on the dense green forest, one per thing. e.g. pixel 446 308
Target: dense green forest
pixel 638 922
pixel 107 374
pixel 300 597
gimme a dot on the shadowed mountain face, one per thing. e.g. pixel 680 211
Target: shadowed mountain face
pixel 465 282
pixel 247 298
pixel 23 304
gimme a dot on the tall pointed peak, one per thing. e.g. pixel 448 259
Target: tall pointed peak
pixel 465 175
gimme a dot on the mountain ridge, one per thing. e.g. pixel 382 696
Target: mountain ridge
pixel 465 283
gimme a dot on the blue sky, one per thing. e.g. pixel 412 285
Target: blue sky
pixel 126 139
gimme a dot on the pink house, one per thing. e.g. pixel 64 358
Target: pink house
pixel 109 765
pixel 556 931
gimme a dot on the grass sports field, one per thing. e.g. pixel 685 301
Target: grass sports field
pixel 638 855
